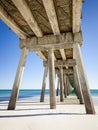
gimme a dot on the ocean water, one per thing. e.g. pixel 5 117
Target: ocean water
pixel 23 94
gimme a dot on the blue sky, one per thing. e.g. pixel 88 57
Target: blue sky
pixel 33 74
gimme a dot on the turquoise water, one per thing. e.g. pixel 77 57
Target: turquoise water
pixel 5 94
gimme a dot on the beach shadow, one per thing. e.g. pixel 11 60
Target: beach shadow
pixel 33 104
pixel 32 109
pixel 30 101
pixel 26 109
pixel 44 114
pixel 3 103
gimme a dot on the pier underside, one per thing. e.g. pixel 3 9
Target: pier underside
pixel 51 29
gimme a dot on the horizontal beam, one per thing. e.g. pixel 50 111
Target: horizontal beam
pixel 50 10
pixel 64 63
pixel 46 42
pixel 46 47
pixel 65 71
pixel 68 71
pixel 24 9
pixel 11 23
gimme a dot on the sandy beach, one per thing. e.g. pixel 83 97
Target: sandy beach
pixel 32 115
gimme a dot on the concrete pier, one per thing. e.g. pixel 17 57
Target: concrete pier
pixel 51 29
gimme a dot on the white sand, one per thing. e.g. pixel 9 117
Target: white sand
pixel 30 115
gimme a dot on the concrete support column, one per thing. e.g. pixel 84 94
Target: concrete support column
pixel 18 78
pixel 65 87
pixel 89 106
pixel 51 79
pixel 61 85
pixel 57 91
pixel 77 86
pixel 44 84
pixel 69 87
